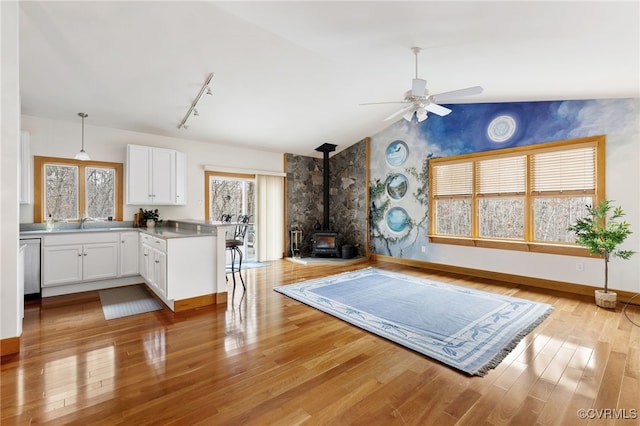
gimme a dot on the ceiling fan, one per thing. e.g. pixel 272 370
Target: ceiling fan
pixel 419 102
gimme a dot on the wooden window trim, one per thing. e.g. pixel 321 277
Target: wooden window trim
pixel 571 249
pixel 38 183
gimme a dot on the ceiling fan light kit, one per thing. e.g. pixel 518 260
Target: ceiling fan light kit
pixel 193 111
pixel 420 103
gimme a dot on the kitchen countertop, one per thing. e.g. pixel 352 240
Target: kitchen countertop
pixel 184 228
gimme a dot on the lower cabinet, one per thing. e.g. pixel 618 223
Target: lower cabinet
pixel 129 249
pixel 68 259
pixel 178 268
pixel 153 266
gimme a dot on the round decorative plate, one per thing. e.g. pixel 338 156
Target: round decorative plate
pixel 397 219
pixel 501 128
pixel 397 186
pixel 397 153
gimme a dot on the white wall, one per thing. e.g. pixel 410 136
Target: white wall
pixel 10 299
pixel 622 186
pixel 57 138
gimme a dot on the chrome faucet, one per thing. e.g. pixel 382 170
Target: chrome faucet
pixel 84 219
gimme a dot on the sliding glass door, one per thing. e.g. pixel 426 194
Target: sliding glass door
pixel 235 195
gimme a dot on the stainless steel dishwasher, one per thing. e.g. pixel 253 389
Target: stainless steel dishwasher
pixel 32 266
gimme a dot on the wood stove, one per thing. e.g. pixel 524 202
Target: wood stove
pixel 325 243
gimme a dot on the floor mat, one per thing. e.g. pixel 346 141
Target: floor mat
pixel 126 301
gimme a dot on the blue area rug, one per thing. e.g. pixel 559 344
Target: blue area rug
pixel 249 264
pixel 471 330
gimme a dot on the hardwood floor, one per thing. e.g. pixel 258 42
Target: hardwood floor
pixel 272 360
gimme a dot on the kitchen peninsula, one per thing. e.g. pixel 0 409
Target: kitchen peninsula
pixel 181 261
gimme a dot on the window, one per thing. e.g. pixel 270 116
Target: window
pixel 66 189
pixel 521 198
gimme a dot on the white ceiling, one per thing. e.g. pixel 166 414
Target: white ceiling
pixel 289 76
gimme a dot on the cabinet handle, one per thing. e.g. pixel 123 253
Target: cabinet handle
pixel 84 254
pixel 79 254
pixel 157 261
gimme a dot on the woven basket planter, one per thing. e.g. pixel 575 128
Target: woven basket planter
pixel 606 300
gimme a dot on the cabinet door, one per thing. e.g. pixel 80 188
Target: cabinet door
pixel 25 168
pixel 139 174
pixel 62 264
pixel 146 263
pixel 100 261
pixel 181 178
pixel 160 272
pixel 163 176
pixel 129 253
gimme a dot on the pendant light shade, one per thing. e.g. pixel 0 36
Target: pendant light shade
pixel 82 155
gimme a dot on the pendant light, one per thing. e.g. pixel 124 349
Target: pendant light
pixel 82 155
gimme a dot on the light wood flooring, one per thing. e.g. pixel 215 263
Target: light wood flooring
pixel 268 359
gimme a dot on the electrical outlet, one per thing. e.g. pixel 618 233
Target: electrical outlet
pixel 424 249
pixel 580 266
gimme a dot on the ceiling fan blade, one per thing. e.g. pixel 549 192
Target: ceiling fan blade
pixel 397 113
pixel 382 103
pixel 437 109
pixel 419 87
pixel 475 90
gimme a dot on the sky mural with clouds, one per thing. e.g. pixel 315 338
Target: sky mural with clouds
pixel 400 153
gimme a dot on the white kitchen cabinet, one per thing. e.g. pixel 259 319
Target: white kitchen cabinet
pixel 99 261
pixel 181 178
pixel 160 272
pixel 129 250
pixel 77 258
pixel 155 176
pixel 178 268
pixel 62 264
pixel 25 168
pixel 154 263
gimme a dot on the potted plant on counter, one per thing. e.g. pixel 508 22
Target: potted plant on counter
pixel 149 218
pixel 601 232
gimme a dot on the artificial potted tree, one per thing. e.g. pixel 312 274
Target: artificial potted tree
pixel 601 232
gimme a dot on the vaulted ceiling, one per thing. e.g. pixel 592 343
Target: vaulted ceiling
pixel 289 76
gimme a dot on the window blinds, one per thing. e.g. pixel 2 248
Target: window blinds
pixel 566 170
pixel 453 179
pixel 502 176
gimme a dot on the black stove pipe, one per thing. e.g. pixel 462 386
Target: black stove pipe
pixel 325 149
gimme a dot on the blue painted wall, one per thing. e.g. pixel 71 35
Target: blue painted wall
pixel 399 156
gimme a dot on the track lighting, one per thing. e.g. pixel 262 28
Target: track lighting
pixel 192 109
pixel 82 155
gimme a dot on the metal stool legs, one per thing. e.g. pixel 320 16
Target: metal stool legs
pixel 236 250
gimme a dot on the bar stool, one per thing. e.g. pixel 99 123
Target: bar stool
pixel 234 246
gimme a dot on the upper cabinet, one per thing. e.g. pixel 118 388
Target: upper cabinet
pixel 25 168
pixel 155 176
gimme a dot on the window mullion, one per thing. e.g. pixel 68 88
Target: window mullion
pixel 82 191
pixel 528 202
pixel 474 201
